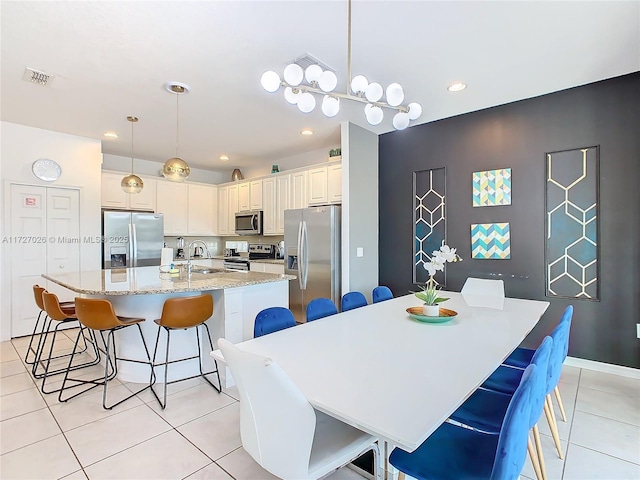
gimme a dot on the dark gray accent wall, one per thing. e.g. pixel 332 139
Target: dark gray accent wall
pixel 518 135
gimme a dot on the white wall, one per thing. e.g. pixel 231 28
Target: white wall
pixel 359 209
pixel 152 169
pixel 80 159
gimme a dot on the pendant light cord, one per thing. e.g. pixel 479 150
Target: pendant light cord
pixel 177 122
pixel 131 147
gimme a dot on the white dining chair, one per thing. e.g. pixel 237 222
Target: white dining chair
pixel 478 292
pixel 279 427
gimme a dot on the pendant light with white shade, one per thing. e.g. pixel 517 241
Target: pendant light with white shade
pixel 300 85
pixel 132 183
pixel 176 169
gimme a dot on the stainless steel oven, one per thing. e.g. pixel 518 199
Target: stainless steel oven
pixel 239 264
pixel 249 223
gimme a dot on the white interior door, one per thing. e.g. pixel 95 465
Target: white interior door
pixel 42 219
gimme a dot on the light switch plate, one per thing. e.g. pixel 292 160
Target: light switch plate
pixel 359 252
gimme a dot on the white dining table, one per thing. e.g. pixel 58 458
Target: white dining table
pixel 387 374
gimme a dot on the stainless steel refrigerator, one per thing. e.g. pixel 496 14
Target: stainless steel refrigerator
pixel 131 239
pixel 312 253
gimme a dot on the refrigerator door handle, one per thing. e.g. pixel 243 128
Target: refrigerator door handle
pixel 300 256
pixel 305 253
pixel 134 245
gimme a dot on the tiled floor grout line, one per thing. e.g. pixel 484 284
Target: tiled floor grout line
pixel 573 417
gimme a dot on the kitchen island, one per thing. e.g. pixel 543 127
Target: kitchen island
pixel 141 292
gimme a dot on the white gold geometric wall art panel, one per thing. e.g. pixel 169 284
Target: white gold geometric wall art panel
pixel 429 220
pixel 572 224
pixel 492 187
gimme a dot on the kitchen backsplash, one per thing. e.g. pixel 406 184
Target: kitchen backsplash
pixel 216 244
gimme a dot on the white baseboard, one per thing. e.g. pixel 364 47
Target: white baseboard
pixel 603 367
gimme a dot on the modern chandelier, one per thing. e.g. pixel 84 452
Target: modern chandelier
pixel 176 169
pixel 301 85
pixel 132 183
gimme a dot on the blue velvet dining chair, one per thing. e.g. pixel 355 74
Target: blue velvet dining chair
pixel 381 293
pixel 485 409
pixel 453 452
pixel 352 300
pixel 273 319
pixel 320 308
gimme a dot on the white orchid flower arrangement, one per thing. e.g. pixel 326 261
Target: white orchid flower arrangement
pixel 445 254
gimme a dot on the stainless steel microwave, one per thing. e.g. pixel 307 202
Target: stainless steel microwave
pixel 249 223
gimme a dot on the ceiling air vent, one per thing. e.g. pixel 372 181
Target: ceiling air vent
pixel 307 59
pixel 37 77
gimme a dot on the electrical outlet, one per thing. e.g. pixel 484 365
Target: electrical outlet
pixel 638 330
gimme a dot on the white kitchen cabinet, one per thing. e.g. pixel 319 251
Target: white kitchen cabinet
pixel 171 200
pixel 269 206
pixel 202 210
pixel 255 195
pixel 298 197
pixel 317 186
pixel 112 195
pixel 223 210
pixel 232 209
pixel 244 197
pixel 267 267
pixel 334 183
pixel 283 194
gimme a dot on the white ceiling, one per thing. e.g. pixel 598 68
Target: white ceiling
pixel 111 59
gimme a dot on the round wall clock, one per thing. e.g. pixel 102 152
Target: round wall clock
pixel 47 170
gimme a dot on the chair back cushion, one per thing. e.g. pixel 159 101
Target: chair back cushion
pixel 320 308
pixel 37 294
pixel 52 307
pixel 186 312
pixel 539 388
pixel 273 319
pixel 96 313
pixel 277 423
pixel 381 293
pixel 478 292
pixel 512 442
pixel 560 348
pixel 353 300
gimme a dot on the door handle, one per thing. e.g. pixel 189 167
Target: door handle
pixel 300 256
pixel 305 248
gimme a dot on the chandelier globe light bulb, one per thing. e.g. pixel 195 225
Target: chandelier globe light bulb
pixel 328 81
pixel 306 102
pixel 313 73
pixel 330 106
pixel 401 120
pixel 359 84
pixel 415 110
pixel 293 74
pixel 395 94
pixel 373 92
pixel 374 114
pixel 270 81
pixel 291 96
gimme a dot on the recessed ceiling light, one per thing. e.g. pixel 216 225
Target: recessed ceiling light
pixel 111 134
pixel 224 158
pixel 307 131
pixel 456 87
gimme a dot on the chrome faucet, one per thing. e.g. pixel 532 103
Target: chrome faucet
pixel 206 249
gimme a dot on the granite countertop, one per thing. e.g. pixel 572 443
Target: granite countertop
pixel 149 280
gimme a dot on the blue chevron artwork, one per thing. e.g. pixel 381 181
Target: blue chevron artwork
pixel 492 187
pixel 490 241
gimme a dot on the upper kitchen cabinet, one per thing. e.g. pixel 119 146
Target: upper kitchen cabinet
pixel 298 198
pixel 334 183
pixel 171 200
pixel 202 210
pixel 114 197
pixel 250 196
pixel 269 206
pixel 227 208
pixel 283 196
pixel 325 184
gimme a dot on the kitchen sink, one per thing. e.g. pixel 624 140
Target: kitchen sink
pixel 207 270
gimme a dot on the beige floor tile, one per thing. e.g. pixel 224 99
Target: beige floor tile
pixel 606 382
pixel 26 429
pixel 147 397
pixel 79 475
pixel 20 403
pixel 617 407
pixel 585 464
pixel 570 374
pixel 167 456
pixel 13 367
pixel 87 408
pixel 608 436
pixel 217 433
pixel 46 459
pixel 16 383
pixel 108 436
pixel 95 372
pixel 242 467
pixel 210 472
pixel 187 405
pixel 232 392
pixel 553 463
pixel 8 352
pixel 568 392
pixel 345 473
